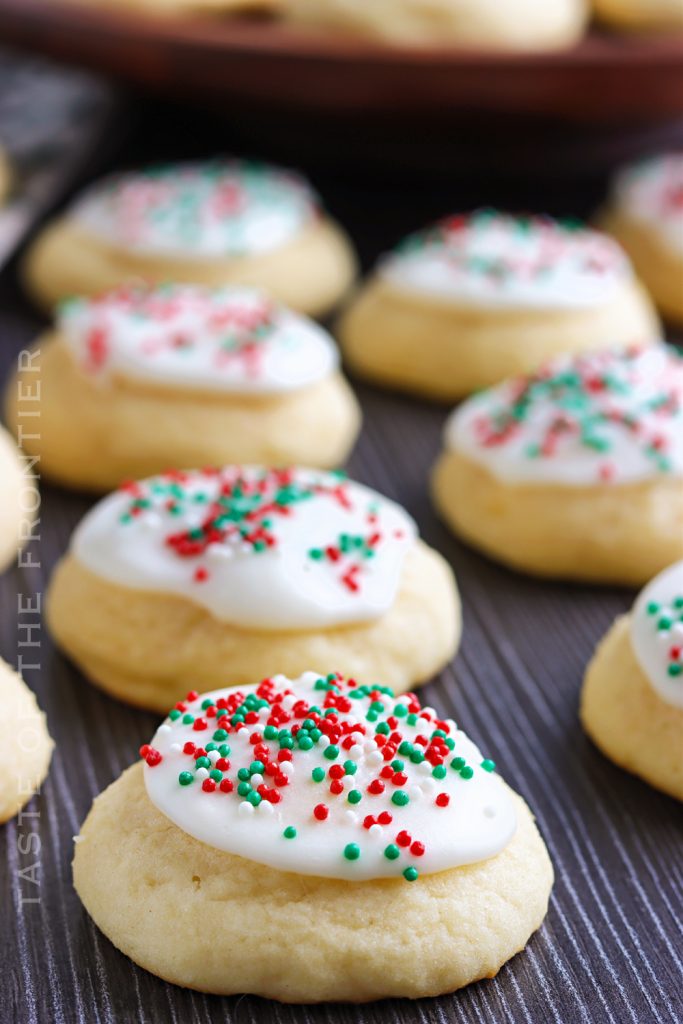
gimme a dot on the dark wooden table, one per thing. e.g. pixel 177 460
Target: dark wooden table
pixel 611 947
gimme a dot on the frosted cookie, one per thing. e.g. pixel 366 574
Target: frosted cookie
pixel 221 575
pixel 18 501
pixel 645 213
pixel 25 744
pixel 485 296
pixel 575 471
pixel 216 223
pixel 632 700
pixel 305 824
pixel 641 15
pixel 483 24
pixel 141 379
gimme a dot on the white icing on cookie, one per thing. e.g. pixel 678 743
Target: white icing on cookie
pixel 222 208
pixel 652 193
pixel 375 788
pixel 611 417
pixel 493 260
pixel 261 549
pixel 226 339
pixel 657 634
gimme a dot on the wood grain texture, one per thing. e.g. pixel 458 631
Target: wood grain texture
pixel 610 950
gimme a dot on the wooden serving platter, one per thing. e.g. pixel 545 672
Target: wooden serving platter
pixel 260 62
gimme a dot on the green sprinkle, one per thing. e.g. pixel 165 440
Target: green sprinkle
pixel 411 874
pixel 352 851
pixel 186 778
pixel 331 752
pixel 466 772
pixel 355 796
pixel 318 774
pixel 391 852
pixel 289 832
pixel 439 772
pixel 400 798
pixel 488 765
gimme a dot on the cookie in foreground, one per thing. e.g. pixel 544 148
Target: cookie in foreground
pixel 195 577
pixel 213 223
pixel 25 744
pixel 574 472
pixel 142 378
pixel 632 699
pixel 18 500
pixel 480 24
pixel 645 212
pixel 484 296
pixel 313 840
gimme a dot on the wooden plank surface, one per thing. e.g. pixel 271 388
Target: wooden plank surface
pixel 610 950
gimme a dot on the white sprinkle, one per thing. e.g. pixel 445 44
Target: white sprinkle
pixel 376 831
pixel 351 817
pixel 245 808
pixel 288 701
pixel 202 773
pixel 424 768
pixel 356 752
pixel 256 780
pixel 428 785
pixel 265 807
pixel 374 759
pixel 164 729
pixel 415 793
pixel 286 767
pixel 323 742
pixel 213 756
pixel 175 748
pixel 369 745
pixel 219 552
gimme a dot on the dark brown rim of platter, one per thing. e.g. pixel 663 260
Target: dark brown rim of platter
pixel 259 61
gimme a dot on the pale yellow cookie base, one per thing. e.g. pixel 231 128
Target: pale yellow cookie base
pixel 93 436
pixel 485 24
pixel 658 265
pixel 627 719
pixel 445 351
pixel 621 534
pixel 310 274
pixel 208 920
pixel 641 15
pixel 18 501
pixel 25 745
pixel 150 649
pixel 187 6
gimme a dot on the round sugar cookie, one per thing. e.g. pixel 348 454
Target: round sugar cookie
pixel 214 223
pixel 25 744
pixel 140 379
pixel 481 24
pixel 641 15
pixel 18 501
pixel 420 874
pixel 486 296
pixel 574 472
pixel 632 699
pixel 214 577
pixel 645 212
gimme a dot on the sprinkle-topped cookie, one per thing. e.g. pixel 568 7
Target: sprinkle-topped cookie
pixel 611 417
pixel 227 339
pixel 652 192
pixel 657 633
pixel 497 260
pixel 222 208
pixel 259 548
pixel 324 777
